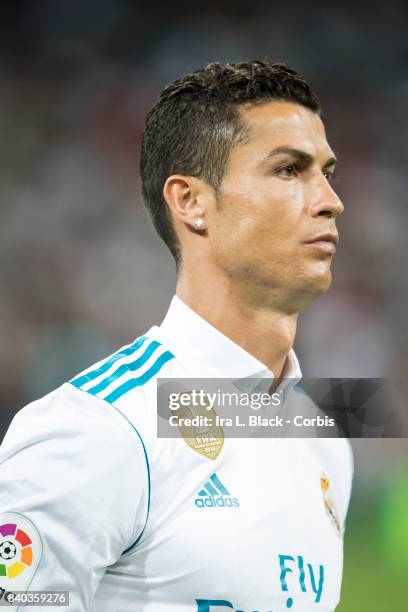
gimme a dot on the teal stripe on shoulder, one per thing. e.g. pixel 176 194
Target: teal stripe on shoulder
pixel 141 380
pixel 125 367
pixel 92 374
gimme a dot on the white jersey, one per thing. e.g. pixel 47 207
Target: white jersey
pixel 127 521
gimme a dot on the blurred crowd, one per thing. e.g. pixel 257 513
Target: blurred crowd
pixel 82 270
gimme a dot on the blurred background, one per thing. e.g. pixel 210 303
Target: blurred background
pixel 81 269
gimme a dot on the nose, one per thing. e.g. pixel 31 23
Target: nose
pixel 325 201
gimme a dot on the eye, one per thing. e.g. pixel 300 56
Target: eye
pixel 289 171
pixel 329 175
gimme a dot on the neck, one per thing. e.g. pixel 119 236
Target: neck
pixel 264 331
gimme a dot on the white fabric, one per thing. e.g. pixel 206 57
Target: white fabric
pixel 94 479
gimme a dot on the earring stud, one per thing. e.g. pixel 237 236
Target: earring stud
pixel 198 223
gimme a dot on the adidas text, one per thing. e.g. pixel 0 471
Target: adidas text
pixel 217 502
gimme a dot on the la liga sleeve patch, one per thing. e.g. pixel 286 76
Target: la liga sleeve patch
pixel 20 551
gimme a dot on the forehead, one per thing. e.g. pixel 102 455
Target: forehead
pixel 275 124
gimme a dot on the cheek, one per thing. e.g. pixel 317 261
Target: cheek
pixel 274 212
pixel 258 218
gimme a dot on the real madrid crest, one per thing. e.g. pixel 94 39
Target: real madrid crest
pixel 331 509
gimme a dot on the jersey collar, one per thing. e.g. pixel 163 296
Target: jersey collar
pixel 207 352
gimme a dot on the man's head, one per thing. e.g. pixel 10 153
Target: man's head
pixel 242 148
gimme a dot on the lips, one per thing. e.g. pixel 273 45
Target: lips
pixel 324 242
pixel 334 238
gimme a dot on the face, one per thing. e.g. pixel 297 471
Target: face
pixel 273 231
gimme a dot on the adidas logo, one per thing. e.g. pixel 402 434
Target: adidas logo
pixel 215 495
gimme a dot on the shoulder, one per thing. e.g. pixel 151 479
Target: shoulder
pixel 68 422
pixel 113 398
pixel 68 454
pixel 131 368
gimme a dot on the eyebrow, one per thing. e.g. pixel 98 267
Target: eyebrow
pixel 305 159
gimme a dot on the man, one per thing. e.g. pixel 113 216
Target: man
pixel 236 174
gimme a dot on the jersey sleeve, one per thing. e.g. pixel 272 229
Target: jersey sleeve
pixel 77 470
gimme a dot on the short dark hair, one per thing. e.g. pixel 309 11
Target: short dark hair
pixel 195 123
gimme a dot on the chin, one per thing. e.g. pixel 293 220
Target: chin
pixel 312 286
pixel 321 283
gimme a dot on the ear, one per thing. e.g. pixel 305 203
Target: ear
pixel 187 198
